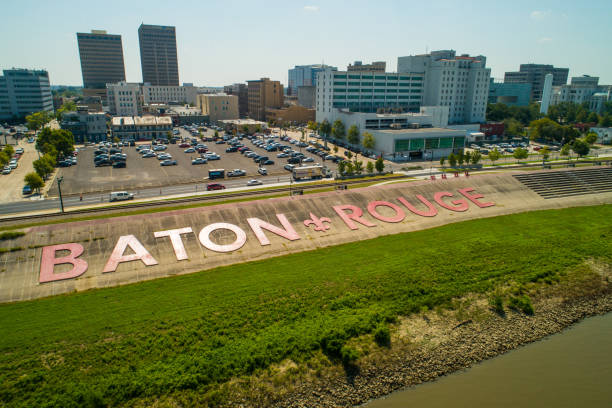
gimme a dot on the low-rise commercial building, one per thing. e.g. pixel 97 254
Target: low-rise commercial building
pixel 218 106
pixel 604 135
pixel 141 127
pixel 24 91
pixel 185 94
pixel 249 126
pixel 292 114
pixel 85 126
pixel 124 99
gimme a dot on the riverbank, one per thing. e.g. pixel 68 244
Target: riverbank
pixel 432 344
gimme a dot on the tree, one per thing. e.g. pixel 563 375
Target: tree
pixel 44 166
pixel 245 129
pixel 452 160
pixel 257 129
pixel 57 142
pixel 565 149
pixel 312 126
pixel 368 140
pixel 335 149
pixel 9 150
pixel 460 158
pixel 467 157
pixel 513 127
pixel 593 118
pixel 379 165
pixel 520 154
pixel 349 168
pixel 545 153
pixel 545 129
pixel 37 120
pixel 580 147
pixel 116 139
pixel 348 154
pixel 590 138
pixel 325 128
pixel 353 135
pixel 476 156
pixel 33 180
pixel 442 160
pixel 358 167
pixel 217 134
pixel 341 167
pixel 4 159
pixel 302 138
pixel 370 167
pixel 339 130
pixel 606 120
pixel 494 155
pixel 68 106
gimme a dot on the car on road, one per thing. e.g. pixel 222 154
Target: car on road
pixel 26 190
pixel 262 171
pixel 254 182
pixel 168 162
pixel 119 165
pixel 190 150
pixel 120 196
pixel 215 186
pixel 199 160
pixel 236 173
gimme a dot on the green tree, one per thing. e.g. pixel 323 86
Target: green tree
pixel 57 142
pixel 245 129
pixel 4 159
pixel 349 154
pixel 312 126
pixel 452 160
pixel 545 153
pixel 593 118
pixel 353 135
pixel 520 154
pixel 358 167
pixel 546 129
pixel 68 106
pixel 370 167
pixel 217 134
pixel 368 140
pixel 606 120
pixel 325 128
pixel 341 167
pixel 580 147
pixel 9 150
pixel 590 138
pixel 116 139
pixel 335 149
pixel 34 180
pixel 379 165
pixel 476 156
pixel 565 149
pixel 467 156
pixel 442 160
pixel 494 155
pixel 339 130
pixel 513 127
pixel 45 165
pixel 349 168
pixel 460 158
pixel 257 129
pixel 37 120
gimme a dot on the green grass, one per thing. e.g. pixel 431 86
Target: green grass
pixel 185 335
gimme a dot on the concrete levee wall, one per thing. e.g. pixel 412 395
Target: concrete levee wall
pixel 22 271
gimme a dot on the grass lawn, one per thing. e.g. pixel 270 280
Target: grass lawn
pixel 187 334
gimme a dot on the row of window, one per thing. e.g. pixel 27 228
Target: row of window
pixel 379 77
pixel 418 90
pixel 417 97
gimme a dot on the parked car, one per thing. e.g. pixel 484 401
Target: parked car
pixel 148 155
pixel 236 173
pixel 289 167
pixel 215 186
pixel 26 190
pixel 159 148
pixel 199 160
pixel 310 159
pixel 100 163
pixel 6 170
pixel 254 182
pixel 119 165
pixel 231 149
pixel 168 163
pixel 190 150
pixel 282 155
pixel 68 163
pixel 293 160
pixel 184 145
pixel 262 171
pixel 267 162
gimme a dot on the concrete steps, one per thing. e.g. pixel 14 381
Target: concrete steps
pixel 556 184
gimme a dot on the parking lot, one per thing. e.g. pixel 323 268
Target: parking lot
pixel 142 172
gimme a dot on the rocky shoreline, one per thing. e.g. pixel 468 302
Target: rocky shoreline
pixel 460 347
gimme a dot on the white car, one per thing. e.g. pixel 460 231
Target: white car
pixel 262 171
pixel 254 182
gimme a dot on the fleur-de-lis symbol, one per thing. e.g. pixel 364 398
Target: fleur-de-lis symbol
pixel 319 223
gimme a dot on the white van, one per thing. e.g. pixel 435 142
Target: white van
pixel 120 196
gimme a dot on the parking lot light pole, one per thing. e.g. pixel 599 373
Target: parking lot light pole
pixel 59 189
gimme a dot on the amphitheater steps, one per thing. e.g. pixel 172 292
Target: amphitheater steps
pixel 556 184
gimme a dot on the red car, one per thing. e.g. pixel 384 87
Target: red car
pixel 201 149
pixel 184 145
pixel 215 186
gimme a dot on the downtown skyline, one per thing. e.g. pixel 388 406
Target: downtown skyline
pixel 219 44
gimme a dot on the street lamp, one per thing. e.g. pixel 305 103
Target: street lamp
pixel 59 188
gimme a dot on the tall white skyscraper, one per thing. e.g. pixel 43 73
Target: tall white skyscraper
pixel 459 82
pixel 546 93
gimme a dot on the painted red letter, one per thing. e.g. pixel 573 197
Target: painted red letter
pixel 460 205
pixel 474 197
pixel 432 210
pixel 258 226
pixel 354 215
pixel 48 261
pixel 399 213
pixel 117 256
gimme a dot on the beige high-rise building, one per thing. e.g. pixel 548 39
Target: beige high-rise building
pixel 218 106
pixel 264 93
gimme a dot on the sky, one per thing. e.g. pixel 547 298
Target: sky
pixel 223 42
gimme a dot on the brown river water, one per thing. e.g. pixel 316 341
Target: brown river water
pixel 569 369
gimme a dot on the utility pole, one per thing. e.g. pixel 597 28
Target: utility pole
pixel 59 188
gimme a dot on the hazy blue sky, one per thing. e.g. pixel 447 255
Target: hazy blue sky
pixel 221 42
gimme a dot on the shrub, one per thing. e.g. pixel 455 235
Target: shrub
pixel 332 344
pixel 497 304
pixel 349 355
pixel 521 303
pixel 382 336
pixel 11 235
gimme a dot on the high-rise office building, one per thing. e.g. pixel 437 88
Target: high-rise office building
pixel 158 56
pixel 459 82
pixel 304 75
pixel 535 74
pixel 24 91
pixel 101 61
pixel 263 94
